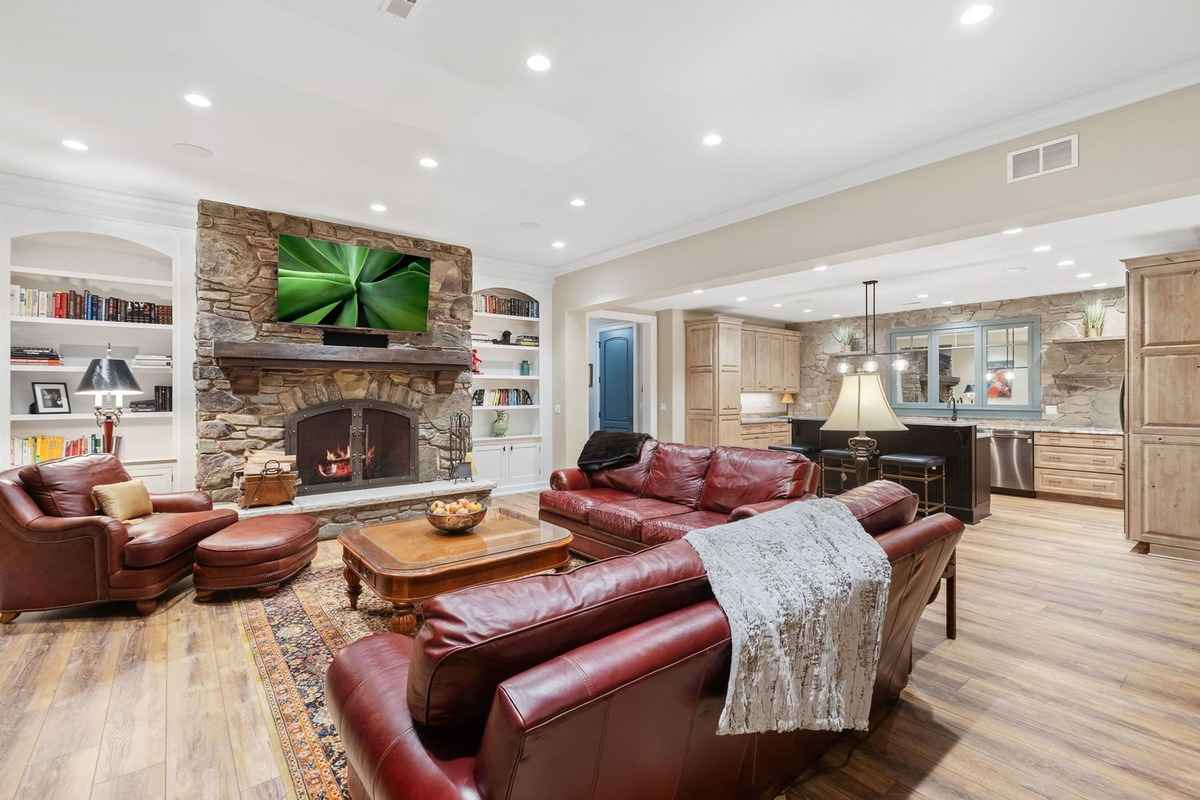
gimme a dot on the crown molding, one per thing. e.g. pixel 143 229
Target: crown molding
pixel 1066 112
pixel 47 195
pixel 495 267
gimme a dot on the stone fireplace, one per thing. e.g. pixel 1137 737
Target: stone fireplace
pixel 358 418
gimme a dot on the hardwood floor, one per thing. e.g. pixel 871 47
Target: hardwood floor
pixel 1076 674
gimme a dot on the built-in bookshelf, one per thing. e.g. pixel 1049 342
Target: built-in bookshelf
pixel 516 459
pixel 70 297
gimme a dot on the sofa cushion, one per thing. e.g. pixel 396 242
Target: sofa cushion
pixel 64 488
pixel 677 473
pixel 160 537
pixel 668 529
pixel 575 504
pixel 626 518
pixel 473 640
pixel 881 506
pixel 631 478
pixel 738 476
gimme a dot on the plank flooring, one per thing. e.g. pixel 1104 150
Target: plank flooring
pixel 1076 674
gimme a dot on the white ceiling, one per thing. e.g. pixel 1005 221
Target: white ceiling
pixel 322 107
pixel 994 267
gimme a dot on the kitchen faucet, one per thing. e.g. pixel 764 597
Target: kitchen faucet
pixel 953 408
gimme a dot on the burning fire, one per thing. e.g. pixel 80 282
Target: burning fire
pixel 337 463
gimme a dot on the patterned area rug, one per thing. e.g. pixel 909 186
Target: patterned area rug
pixel 294 635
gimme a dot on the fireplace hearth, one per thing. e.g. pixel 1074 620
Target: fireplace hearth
pixel 353 444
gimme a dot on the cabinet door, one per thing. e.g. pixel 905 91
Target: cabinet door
pixel 490 462
pixel 701 431
pixel 729 432
pixel 762 362
pixel 157 477
pixel 1162 501
pixel 1164 349
pixel 729 392
pixel 701 344
pixel 791 364
pixel 524 463
pixel 749 360
pixel 729 346
pixel 777 367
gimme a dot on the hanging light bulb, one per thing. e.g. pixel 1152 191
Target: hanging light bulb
pixel 900 364
pixel 989 375
pixel 871 366
pixel 1009 375
pixel 843 367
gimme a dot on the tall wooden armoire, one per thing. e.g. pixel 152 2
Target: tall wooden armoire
pixel 713 381
pixel 1162 403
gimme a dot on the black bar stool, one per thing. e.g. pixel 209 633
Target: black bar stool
pixel 839 473
pixel 906 468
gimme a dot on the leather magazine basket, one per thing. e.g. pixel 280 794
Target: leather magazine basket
pixel 273 487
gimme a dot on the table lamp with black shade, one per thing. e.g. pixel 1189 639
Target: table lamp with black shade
pixel 862 404
pixel 105 376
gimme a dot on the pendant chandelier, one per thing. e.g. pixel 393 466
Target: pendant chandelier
pixel 868 360
pixel 1010 357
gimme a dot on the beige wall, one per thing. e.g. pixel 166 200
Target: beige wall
pixel 1141 153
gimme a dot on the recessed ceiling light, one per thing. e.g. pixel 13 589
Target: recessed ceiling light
pixel 922 296
pixel 976 14
pixel 1043 248
pixel 808 311
pixel 578 202
pixel 947 302
pixel 1100 285
pixel 197 100
pixel 837 316
pixel 193 150
pixel 558 244
pixel 538 62
pixel 378 208
pixel 820 268
pixel 428 162
pixel 530 225
pixel 776 305
pixel 1082 275
pixel 74 144
pixel 1067 262
pixel 712 139
pixel 1017 269
pixel 697 291
pixel 1012 231
pixel 743 299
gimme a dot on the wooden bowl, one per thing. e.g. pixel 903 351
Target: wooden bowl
pixel 455 523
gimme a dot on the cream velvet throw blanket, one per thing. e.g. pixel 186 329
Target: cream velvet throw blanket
pixel 805 589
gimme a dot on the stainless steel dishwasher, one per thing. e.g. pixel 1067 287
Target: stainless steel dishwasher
pixel 1012 461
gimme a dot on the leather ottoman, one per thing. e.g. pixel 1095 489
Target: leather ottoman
pixel 257 553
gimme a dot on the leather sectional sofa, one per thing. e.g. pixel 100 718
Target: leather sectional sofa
pixel 602 683
pixel 56 551
pixel 672 489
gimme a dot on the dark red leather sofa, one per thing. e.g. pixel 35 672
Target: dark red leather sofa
pixel 672 489
pixel 603 683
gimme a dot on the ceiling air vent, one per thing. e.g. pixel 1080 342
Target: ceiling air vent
pixel 401 8
pixel 1044 158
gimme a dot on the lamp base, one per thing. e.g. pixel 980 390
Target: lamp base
pixel 863 448
pixel 107 421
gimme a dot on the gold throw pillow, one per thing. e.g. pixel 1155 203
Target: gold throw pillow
pixel 124 501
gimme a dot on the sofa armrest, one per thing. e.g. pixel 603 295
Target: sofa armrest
pixel 571 479
pixel 364 692
pixel 110 535
pixel 534 712
pixel 919 535
pixel 754 509
pixel 180 502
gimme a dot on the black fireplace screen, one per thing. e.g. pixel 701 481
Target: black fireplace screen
pixel 353 444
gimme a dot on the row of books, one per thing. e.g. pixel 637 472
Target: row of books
pixel 151 360
pixel 85 305
pixel 162 400
pixel 512 306
pixel 36 356
pixel 36 449
pixel 502 397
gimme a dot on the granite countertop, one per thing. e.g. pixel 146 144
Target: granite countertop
pixel 756 419
pixel 998 424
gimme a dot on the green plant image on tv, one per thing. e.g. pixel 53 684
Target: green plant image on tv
pixel 351 286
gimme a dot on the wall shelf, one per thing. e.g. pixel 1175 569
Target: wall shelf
pixel 485 315
pixel 95 277
pixel 506 408
pixel 128 416
pixel 485 377
pixel 91 323
pixel 490 346
pixel 1086 339
pixel 78 368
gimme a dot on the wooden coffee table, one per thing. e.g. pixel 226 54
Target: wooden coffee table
pixel 407 562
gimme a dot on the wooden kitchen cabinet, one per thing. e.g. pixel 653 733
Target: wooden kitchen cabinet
pixel 1080 467
pixel 770 360
pixel 713 381
pixel 765 434
pixel 1162 508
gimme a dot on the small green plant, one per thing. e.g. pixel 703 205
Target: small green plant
pixel 1093 319
pixel 846 336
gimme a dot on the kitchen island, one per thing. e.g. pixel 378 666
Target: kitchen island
pixel 967 452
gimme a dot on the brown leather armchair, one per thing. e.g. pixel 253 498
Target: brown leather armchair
pixel 57 552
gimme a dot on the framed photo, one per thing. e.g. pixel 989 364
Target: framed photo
pixel 51 398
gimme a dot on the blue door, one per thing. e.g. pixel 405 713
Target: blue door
pixel 616 380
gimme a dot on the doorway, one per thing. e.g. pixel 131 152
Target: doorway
pixel 615 356
pixel 621 372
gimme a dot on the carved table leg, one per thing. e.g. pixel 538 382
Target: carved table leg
pixel 146 607
pixel 353 586
pixel 404 620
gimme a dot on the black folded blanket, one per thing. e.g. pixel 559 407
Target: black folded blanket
pixel 605 449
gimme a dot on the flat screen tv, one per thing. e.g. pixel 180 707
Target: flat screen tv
pixel 351 286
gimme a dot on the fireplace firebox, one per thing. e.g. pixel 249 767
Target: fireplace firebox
pixel 353 444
